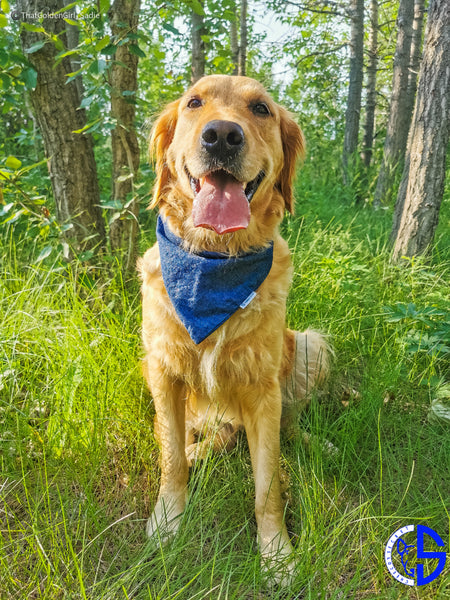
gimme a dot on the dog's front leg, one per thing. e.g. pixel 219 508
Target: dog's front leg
pixel 169 397
pixel 262 425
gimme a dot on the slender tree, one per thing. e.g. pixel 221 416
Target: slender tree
pixel 123 18
pixel 234 43
pixel 56 102
pixel 371 93
pixel 352 114
pixel 198 45
pixel 416 53
pixel 400 108
pixel 243 39
pixel 424 175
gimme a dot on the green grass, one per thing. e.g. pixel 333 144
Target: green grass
pixel 79 464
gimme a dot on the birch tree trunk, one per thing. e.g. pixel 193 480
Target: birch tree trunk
pixel 424 176
pixel 55 102
pixel 198 46
pixel 352 114
pixel 371 95
pixel 123 18
pixel 399 110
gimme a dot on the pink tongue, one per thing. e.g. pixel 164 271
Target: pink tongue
pixel 221 204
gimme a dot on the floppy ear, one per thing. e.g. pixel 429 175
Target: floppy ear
pixel 293 142
pixel 160 139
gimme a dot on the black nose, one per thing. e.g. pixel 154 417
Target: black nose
pixel 222 139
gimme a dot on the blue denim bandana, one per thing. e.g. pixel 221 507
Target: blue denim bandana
pixel 207 288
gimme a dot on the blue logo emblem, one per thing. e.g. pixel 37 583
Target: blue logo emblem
pixel 398 548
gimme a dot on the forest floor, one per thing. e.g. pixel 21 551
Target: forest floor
pixel 79 463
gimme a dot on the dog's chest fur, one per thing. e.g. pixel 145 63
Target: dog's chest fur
pixel 244 350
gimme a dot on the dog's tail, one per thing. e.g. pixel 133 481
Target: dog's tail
pixel 305 364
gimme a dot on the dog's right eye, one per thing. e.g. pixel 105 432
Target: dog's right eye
pixel 194 103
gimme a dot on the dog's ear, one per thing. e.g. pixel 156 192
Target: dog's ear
pixel 293 142
pixel 160 139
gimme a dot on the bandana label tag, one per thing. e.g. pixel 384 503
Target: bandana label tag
pixel 247 300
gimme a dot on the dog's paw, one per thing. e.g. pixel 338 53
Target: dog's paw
pixel 166 517
pixel 278 563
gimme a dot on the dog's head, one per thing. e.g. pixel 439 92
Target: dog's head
pixel 225 157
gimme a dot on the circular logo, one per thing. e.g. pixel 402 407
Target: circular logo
pixel 398 547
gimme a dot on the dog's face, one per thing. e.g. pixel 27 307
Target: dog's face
pixel 225 156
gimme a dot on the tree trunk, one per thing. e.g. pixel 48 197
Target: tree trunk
pixel 430 133
pixel 399 110
pixel 416 54
pixel 234 44
pixel 353 111
pixel 56 102
pixel 243 42
pixel 371 96
pixel 198 46
pixel 124 18
pixel 416 47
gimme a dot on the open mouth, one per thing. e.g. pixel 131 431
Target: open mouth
pixel 221 202
pixel 249 187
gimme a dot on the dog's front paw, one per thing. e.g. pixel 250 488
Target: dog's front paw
pixel 166 517
pixel 278 562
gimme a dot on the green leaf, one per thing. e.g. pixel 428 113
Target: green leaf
pixel 35 47
pixel 58 43
pixel 29 77
pixel 171 28
pixel 104 6
pixel 109 50
pixel 134 49
pixel 5 6
pixel 31 27
pixel 45 252
pixel 86 102
pixel 101 44
pixel 72 22
pixel 3 20
pixel 86 255
pixel 88 126
pixel 15 71
pixel 196 7
pixel 13 163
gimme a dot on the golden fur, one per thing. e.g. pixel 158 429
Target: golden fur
pixel 236 376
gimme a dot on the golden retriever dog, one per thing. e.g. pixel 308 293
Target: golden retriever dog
pixel 218 354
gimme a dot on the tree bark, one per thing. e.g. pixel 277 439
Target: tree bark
pixel 234 44
pixel 352 114
pixel 371 94
pixel 400 108
pixel 124 18
pixel 424 176
pixel 56 102
pixel 243 39
pixel 416 54
pixel 198 46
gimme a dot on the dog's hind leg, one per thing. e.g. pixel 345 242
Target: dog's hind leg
pixel 221 438
pixel 305 365
pixel 169 398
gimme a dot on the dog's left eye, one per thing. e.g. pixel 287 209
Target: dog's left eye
pixel 260 108
pixel 194 103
